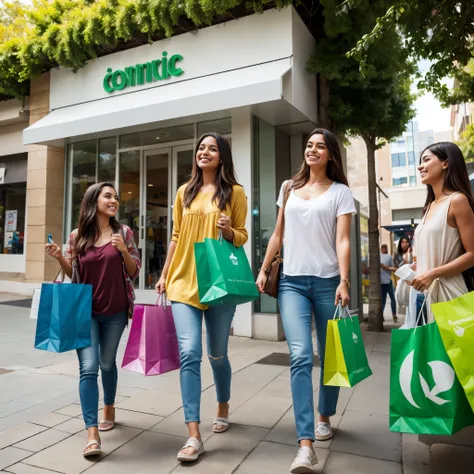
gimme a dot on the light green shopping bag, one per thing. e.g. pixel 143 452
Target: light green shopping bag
pixel 223 273
pixel 455 320
pixel 345 360
pixel 425 395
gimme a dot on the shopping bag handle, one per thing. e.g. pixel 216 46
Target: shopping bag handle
pixel 427 293
pixel 220 238
pixel 161 300
pixel 341 309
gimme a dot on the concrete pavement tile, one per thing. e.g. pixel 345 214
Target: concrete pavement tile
pixel 135 419
pixel 153 402
pixel 380 363
pixel 148 453
pixel 42 440
pixel 19 433
pixel 273 458
pixel 11 455
pixel 70 410
pixel 126 391
pixel 341 463
pixel 22 468
pixel 416 455
pixel 383 343
pixel 261 411
pixel 72 426
pixel 224 453
pixel 174 425
pixel 376 389
pixel 279 387
pixel 66 456
pixel 50 419
pixel 255 377
pixel 367 435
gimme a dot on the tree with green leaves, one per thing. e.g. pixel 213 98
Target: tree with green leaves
pixel 376 105
pixel 466 143
pixel 441 32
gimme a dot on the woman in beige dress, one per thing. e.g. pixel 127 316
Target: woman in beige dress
pixel 445 236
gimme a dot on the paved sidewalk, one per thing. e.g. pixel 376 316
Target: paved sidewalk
pixel 41 430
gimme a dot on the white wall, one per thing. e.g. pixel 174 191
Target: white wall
pixel 407 198
pixel 11 140
pixel 251 40
pixel 242 153
pixel 12 263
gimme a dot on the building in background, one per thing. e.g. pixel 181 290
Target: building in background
pixel 461 116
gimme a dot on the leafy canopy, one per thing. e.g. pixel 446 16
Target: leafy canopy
pixel 68 33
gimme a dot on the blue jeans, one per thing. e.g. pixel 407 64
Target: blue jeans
pixel 387 289
pixel 299 297
pixel 106 332
pixel 421 320
pixel 188 322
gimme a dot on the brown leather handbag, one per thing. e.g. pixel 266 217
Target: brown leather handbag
pixel 274 270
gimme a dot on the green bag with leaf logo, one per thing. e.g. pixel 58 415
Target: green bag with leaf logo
pixel 425 394
pixel 223 273
pixel 455 320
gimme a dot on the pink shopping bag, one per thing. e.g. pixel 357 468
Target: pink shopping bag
pixel 152 347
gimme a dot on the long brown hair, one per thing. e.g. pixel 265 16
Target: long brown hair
pixel 334 170
pixel 88 230
pixel 456 179
pixel 225 179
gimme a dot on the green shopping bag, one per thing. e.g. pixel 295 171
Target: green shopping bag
pixel 425 395
pixel 345 360
pixel 223 273
pixel 455 321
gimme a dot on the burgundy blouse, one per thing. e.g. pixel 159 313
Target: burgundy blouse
pixel 102 268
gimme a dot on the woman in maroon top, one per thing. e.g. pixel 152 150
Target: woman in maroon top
pixel 102 253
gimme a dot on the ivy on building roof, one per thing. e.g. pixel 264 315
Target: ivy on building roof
pixel 67 33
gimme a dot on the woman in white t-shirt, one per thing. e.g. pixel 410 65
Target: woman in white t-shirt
pixel 314 221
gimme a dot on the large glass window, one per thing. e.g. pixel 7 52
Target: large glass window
pixel 12 218
pixel 155 137
pixel 84 173
pixel 398 160
pixel 269 146
pixel 107 159
pixel 221 126
pixel 400 181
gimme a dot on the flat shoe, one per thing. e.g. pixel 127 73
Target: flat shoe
pixel 191 443
pixel 92 452
pixel 224 422
pixel 106 425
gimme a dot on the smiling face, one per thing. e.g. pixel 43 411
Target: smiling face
pixel 431 168
pixel 317 153
pixel 208 156
pixel 108 202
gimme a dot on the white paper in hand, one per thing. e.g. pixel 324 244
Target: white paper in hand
pixel 405 273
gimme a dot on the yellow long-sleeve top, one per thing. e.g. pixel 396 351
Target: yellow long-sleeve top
pixel 192 225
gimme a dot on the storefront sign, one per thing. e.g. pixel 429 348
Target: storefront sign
pixel 157 70
pixel 11 220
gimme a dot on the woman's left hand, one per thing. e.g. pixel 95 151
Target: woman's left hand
pixel 118 243
pixel 342 294
pixel 423 282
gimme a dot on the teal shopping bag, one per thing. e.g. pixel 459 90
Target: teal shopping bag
pixel 64 317
pixel 425 394
pixel 223 273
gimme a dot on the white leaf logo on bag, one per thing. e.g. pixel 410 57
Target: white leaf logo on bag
pixel 443 376
pixel 459 328
pixel 355 338
pixel 234 259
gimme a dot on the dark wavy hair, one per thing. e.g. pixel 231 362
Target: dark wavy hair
pixel 88 230
pixel 399 248
pixel 225 179
pixel 456 179
pixel 334 169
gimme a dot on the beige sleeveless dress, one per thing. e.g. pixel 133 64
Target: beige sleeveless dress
pixel 438 244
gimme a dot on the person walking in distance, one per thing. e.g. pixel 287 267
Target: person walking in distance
pixel 102 253
pixel 314 222
pixel 387 267
pixel 404 254
pixel 209 204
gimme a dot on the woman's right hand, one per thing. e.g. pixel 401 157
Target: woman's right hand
pixel 261 281
pixel 160 287
pixel 53 250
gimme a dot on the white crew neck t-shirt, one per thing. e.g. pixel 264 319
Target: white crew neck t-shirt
pixel 310 231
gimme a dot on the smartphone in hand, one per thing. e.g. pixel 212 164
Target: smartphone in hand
pixel 50 238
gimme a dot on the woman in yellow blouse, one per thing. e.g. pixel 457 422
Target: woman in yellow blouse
pixel 211 202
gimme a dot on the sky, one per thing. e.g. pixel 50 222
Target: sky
pixel 430 114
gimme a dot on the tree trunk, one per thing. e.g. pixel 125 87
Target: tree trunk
pixel 375 294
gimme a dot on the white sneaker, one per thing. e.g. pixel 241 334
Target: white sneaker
pixel 304 461
pixel 323 431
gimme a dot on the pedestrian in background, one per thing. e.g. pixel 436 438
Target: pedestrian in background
pixel 404 254
pixel 102 253
pixel 314 220
pixel 444 243
pixel 212 202
pixel 387 267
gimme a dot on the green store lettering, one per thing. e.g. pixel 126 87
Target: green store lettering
pixel 138 75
